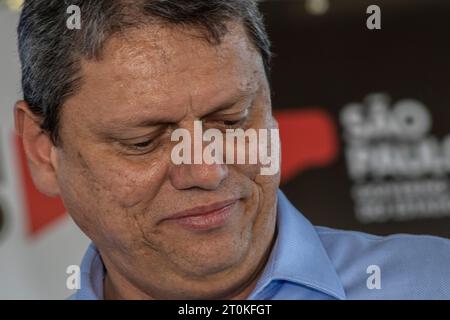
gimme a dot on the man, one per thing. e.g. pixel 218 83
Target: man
pixel 99 110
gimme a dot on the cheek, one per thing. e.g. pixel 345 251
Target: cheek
pixel 251 172
pixel 267 171
pixel 131 185
pixel 106 192
pixel 128 183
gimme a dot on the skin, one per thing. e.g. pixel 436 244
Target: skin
pixel 120 191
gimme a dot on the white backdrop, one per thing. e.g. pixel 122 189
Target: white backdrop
pixel 32 266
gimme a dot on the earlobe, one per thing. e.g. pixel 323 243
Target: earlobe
pixel 39 149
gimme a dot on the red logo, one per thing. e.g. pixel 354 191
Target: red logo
pixel 308 140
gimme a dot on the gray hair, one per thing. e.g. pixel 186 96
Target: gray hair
pixel 50 53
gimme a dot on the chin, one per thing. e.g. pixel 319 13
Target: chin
pixel 213 261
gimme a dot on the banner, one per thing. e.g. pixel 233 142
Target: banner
pixel 365 113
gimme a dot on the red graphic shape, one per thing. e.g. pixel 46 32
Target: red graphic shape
pixel 308 140
pixel 41 210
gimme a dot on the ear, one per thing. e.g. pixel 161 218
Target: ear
pixel 39 149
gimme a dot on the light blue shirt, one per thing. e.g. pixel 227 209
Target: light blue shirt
pixel 310 262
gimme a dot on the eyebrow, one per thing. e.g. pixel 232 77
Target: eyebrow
pixel 237 98
pixel 118 128
pixel 135 122
pixel 138 123
pixel 144 123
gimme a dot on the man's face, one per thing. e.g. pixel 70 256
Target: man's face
pixel 116 175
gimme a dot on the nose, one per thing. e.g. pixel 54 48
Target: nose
pixel 204 176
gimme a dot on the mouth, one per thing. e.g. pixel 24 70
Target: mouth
pixel 205 217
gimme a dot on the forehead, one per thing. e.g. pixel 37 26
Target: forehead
pixel 164 49
pixel 164 68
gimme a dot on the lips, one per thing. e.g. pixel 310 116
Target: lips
pixel 205 217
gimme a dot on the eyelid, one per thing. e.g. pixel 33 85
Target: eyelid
pixel 133 150
pixel 142 138
pixel 153 139
pixel 136 140
pixel 242 115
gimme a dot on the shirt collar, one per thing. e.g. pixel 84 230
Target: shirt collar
pixel 92 276
pixel 298 255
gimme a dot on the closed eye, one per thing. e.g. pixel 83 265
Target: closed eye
pixel 142 144
pixel 140 148
pixel 230 123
